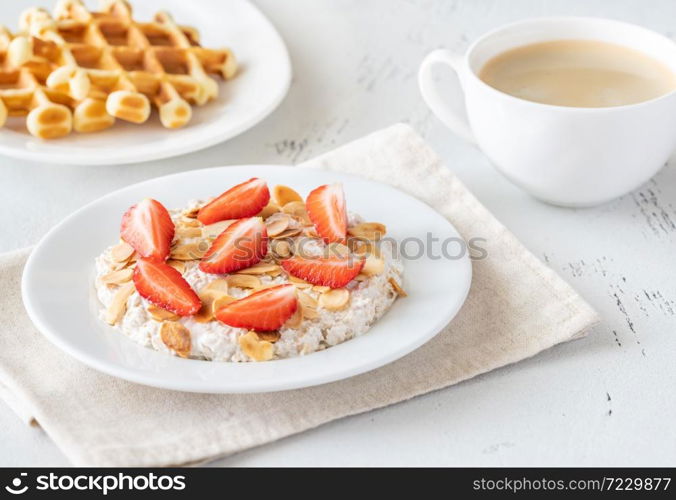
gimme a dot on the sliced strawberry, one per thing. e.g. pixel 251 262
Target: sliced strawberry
pixel 243 200
pixel 148 228
pixel 164 286
pixel 241 245
pixel 334 272
pixel 265 310
pixel 326 208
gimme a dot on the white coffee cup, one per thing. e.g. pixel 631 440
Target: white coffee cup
pixel 562 155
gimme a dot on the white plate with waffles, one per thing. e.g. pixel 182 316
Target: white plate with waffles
pixel 82 70
pixel 358 321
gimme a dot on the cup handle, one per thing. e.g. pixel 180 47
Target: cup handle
pixel 452 118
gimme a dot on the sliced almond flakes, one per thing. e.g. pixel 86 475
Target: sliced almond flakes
pixel 277 224
pixel 213 230
pixel 368 230
pixel 260 268
pixel 334 300
pixel 271 337
pixel 118 306
pixel 121 252
pixel 188 251
pixel 176 337
pixel 397 287
pixel 256 349
pixel 117 277
pixel 373 265
pixel 179 265
pixel 188 232
pixel 160 314
pixel 284 195
pixel 243 281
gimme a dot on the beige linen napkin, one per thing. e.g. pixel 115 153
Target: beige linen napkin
pixel 516 308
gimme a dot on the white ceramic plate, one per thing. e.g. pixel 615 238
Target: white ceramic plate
pixel 59 295
pixel 262 83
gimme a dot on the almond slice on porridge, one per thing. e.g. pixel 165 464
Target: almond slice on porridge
pixel 121 252
pixel 255 348
pixel 118 305
pixel 373 265
pixel 397 287
pixel 244 281
pixel 271 337
pixel 282 195
pixel 160 314
pixel 269 209
pixel 213 230
pixel 334 300
pixel 368 230
pixel 118 277
pixel 261 268
pixel 176 337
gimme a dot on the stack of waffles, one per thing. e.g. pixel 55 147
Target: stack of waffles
pixel 81 70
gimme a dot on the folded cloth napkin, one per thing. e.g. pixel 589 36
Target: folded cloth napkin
pixel 516 308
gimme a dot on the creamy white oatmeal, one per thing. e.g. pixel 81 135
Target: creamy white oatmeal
pixel 370 296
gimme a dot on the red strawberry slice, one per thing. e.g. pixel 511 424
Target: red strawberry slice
pixel 326 208
pixel 265 310
pixel 164 286
pixel 148 228
pixel 334 272
pixel 241 245
pixel 243 200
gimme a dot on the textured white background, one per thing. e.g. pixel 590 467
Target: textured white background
pixel 604 400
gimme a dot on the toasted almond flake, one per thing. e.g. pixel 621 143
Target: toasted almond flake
pixel 373 265
pixel 121 252
pixel 217 286
pixel 243 281
pixel 179 265
pixel 192 213
pixel 361 277
pixel 296 318
pixel 397 287
pixel 159 314
pixel 118 306
pixel 189 251
pixel 284 194
pixel 308 304
pixel 321 289
pixel 334 300
pixel 336 250
pixel 363 247
pixel 289 233
pixel 368 230
pixel 281 248
pixel 188 232
pixel 277 224
pixel 261 268
pixel 221 301
pixel 271 337
pixel 188 222
pixel 256 349
pixel 213 230
pixel 297 209
pixel 117 277
pixel 299 283
pixel 176 337
pixel 206 312
pixel 269 209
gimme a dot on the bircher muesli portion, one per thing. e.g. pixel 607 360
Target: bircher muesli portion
pixel 251 275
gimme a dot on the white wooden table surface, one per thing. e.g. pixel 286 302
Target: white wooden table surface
pixel 605 400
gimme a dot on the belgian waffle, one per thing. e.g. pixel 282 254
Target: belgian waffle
pixel 77 69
